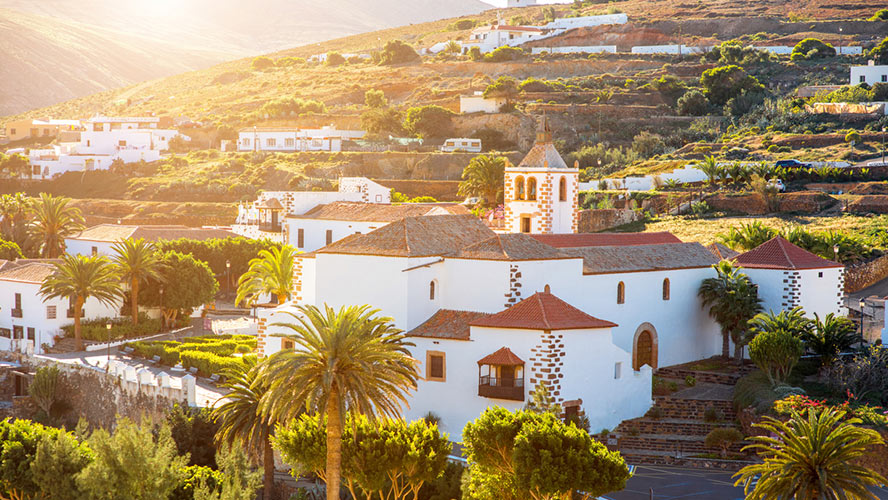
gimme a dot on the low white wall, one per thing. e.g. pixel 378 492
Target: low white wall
pixel 666 49
pixel 576 49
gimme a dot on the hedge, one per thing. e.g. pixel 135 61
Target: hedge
pixel 210 354
pixel 208 363
pixel 121 328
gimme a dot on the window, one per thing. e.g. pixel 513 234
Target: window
pixel 885 78
pixel 87 143
pixel 436 369
pixel 618 370
pixel 6 333
pixel 531 188
pixel 33 132
pixel 562 189
pixel 121 143
pixel 378 198
pixel 621 293
pixel 432 290
pixel 666 289
pixel 287 344
pixel 12 131
pixel 18 332
pixel 270 142
pixel 95 250
pixel 50 312
pixel 862 79
pixel 36 170
pixel 300 238
pixel 46 131
pixel 329 237
pixel 30 333
pixel 519 188
pixel 17 310
pixel 820 274
pixel 289 142
pixel 246 142
pixel 525 224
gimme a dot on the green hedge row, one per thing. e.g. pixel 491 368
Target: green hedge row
pixel 121 328
pixel 210 354
pixel 208 363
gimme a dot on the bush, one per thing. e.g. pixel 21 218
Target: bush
pixel 866 376
pixel 334 59
pixel 880 52
pixel 9 250
pixel 690 381
pixel 288 107
pixel 722 438
pixel 754 390
pixel 693 103
pixel 462 25
pixel 722 83
pixel 775 353
pixel 375 99
pixel 208 363
pixel 429 121
pixel 474 54
pixel 853 136
pixel 285 62
pixel 397 52
pixel 121 328
pixel 811 48
pixel 880 15
pixel 504 53
pixel 712 415
pixel 262 63
pixel 647 144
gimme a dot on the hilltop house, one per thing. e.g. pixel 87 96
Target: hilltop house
pixel 294 139
pixel 31 129
pixel 28 322
pixel 492 37
pixel 870 74
pixel 99 240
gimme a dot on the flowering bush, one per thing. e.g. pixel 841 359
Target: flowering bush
pixel 869 415
pixel 797 403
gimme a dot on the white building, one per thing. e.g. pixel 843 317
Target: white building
pixel 576 49
pixel 566 23
pixel 510 4
pixel 490 38
pixel 99 240
pixel 477 103
pixel 28 322
pixel 102 141
pixel 870 74
pixel 294 139
pixel 789 276
pixel 667 49
pixel 465 144
pixel 264 217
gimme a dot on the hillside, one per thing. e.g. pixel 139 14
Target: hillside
pixel 78 48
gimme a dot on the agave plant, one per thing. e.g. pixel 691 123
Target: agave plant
pixel 748 236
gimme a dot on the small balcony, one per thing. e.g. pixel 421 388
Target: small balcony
pixel 270 227
pixel 501 388
pixel 16 313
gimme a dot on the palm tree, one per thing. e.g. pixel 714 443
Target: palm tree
pixel 711 169
pixel 136 261
pixel 483 177
pixel 810 459
pixel 831 336
pixel 749 236
pixel 732 300
pixel 53 221
pixel 792 322
pixel 345 360
pixel 78 278
pixel 453 47
pixel 13 218
pixel 239 418
pixel 271 272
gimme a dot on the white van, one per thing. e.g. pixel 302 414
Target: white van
pixel 462 144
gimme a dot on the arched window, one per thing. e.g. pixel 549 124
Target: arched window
pixel 531 188
pixel 519 188
pixel 562 189
pixel 432 290
pixel 621 293
pixel 666 289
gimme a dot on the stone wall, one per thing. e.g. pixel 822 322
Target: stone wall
pixel 439 190
pixel 862 275
pixel 592 221
pixel 806 202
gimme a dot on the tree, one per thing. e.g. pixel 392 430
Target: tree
pixel 767 190
pixel 453 47
pixel 14 215
pixel 58 459
pixel 241 424
pixel 792 322
pixel 880 52
pixel 397 52
pixel 375 99
pixel 334 59
pixel 16 164
pixel 880 15
pixel 53 221
pixel 749 236
pixel 43 388
pixel 36 461
pixel 79 278
pixel 722 438
pixel 711 169
pixel 670 87
pixel 811 48
pixel 536 455
pixel 732 300
pixel 429 121
pixel 810 457
pixel 647 144
pixel 345 360
pixel 692 103
pixel 830 337
pixel 9 250
pixel 474 53
pixel 136 261
pixel 270 273
pixel 134 463
pixel 505 87
pixel 193 430
pixel 382 122
pixel 503 54
pixel 725 82
pixel 238 481
pixel 776 353
pixel 852 137
pixel 483 177
pixel 182 284
pixel 262 63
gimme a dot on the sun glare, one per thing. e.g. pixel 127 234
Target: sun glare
pixel 156 8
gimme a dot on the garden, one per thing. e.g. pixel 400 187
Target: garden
pixel 210 355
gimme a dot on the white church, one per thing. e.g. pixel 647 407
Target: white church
pixel 492 315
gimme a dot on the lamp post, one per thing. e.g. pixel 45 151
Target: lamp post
pixel 884 129
pixel 836 252
pixel 228 276
pixel 162 315
pixel 841 40
pixel 862 304
pixel 108 355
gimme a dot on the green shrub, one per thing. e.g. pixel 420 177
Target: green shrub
pixel 504 53
pixel 397 52
pixel 208 363
pixel 262 63
pixel 754 390
pixel 722 438
pixel 811 48
pixel 713 415
pixel 690 381
pixel 334 59
pixel 775 352
pixel 880 15
pixel 121 328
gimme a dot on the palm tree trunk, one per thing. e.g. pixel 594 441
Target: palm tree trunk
pixel 134 300
pixel 334 444
pixel 268 464
pixel 281 298
pixel 726 345
pixel 78 308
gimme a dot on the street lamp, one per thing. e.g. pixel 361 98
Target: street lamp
pixel 862 304
pixel 884 129
pixel 228 276
pixel 108 356
pixel 836 252
pixel 162 315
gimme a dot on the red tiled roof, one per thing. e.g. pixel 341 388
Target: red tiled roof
pixel 543 311
pixel 447 324
pixel 27 270
pixel 778 253
pixel 502 357
pixel 379 212
pixel 722 252
pixel 605 239
pixel 117 232
pixel 511 246
pixel 638 258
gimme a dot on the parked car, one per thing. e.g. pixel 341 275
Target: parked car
pixel 792 164
pixel 471 201
pixel 778 184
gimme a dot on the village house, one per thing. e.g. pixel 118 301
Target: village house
pixel 100 239
pixel 870 74
pixel 32 129
pixel 492 37
pixel 28 322
pixel 282 139
pixel 477 103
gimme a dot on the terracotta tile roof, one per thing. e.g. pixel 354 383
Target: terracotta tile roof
pixel 606 260
pixel 778 253
pixel 605 239
pixel 272 203
pixel 379 212
pixel 722 252
pixel 512 246
pixel 415 237
pixel 27 270
pixel 502 357
pixel 447 324
pixel 117 232
pixel 542 155
pixel 542 311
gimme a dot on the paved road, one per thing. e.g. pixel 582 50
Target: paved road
pixel 674 483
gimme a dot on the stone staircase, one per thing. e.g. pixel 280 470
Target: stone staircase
pixel 64 346
pixel 675 429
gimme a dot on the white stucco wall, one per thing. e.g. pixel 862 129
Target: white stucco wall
pixel 315 231
pixel 77 246
pixel 869 74
pixel 480 104
pixel 576 49
pixel 814 290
